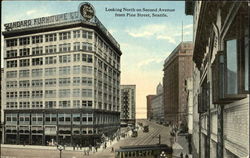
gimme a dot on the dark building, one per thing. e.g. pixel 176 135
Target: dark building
pixel 221 78
pixel 62 80
pixel 149 106
pixel 178 67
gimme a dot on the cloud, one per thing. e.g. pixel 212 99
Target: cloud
pixel 112 31
pixel 149 62
pixel 166 37
pixel 147 30
pixel 30 12
pixel 188 26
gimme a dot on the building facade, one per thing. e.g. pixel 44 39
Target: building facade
pixel 157 104
pixel 221 80
pixel 149 108
pixel 62 79
pixel 128 105
pixel 177 68
pixel 1 107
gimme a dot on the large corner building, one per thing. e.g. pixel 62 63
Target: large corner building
pixel 62 79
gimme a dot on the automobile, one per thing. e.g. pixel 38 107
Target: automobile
pixel 134 134
pixel 145 129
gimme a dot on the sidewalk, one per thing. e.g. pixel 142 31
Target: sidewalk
pixel 181 146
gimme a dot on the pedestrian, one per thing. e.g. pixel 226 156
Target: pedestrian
pixel 84 152
pixel 112 149
pixel 80 146
pixel 181 155
pixel 77 146
pixel 186 156
pixel 96 148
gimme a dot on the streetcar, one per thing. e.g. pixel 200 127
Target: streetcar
pixel 144 151
pixel 145 129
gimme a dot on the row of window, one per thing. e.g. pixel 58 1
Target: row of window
pixel 65 47
pixel 48 104
pixel 49 38
pixel 51 93
pixel 85 58
pixel 49 71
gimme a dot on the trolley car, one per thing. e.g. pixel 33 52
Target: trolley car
pixel 144 151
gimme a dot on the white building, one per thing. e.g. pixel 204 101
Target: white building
pixel 62 78
pixel 157 104
pixel 128 104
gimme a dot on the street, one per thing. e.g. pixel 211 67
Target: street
pixel 151 137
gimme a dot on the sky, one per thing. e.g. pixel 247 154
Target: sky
pixel 145 41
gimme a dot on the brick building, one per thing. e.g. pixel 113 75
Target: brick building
pixel 177 68
pixel 221 78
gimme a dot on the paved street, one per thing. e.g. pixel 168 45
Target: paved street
pixel 19 151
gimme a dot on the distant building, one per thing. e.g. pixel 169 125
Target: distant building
pixel 221 78
pixel 1 107
pixel 157 104
pixel 177 68
pixel 128 104
pixel 62 78
pixel 189 90
pixel 149 107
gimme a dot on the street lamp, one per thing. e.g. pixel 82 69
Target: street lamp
pixel 163 155
pixel 60 148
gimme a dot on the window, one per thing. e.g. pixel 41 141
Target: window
pixel 11 84
pixel 50 60
pixel 64 47
pixel 76 34
pixel 11 94
pixel 50 49
pixel 87 46
pixel 12 63
pixel 76 69
pixel 76 118
pixel 37 72
pixel 64 58
pixel 64 81
pixel 37 39
pixel 11 105
pixel 64 104
pixel 76 81
pixel 76 103
pixel 76 93
pixel 37 94
pixel 24 62
pixel 24 52
pixel 11 53
pixel 76 46
pixel 64 70
pixel 50 82
pixel 24 41
pixel 87 58
pixel 50 37
pixel 24 73
pixel 11 74
pixel 86 92
pixel 229 71
pixel 37 61
pixel 11 42
pixel 24 105
pixel 86 103
pixel 50 71
pixel 86 81
pixel 50 93
pixel 87 34
pixel 37 50
pixel 37 83
pixel 24 83
pixel 24 94
pixel 64 35
pixel 50 104
pixel 86 69
pixel 37 104
pixel 64 93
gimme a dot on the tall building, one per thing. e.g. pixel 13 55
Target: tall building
pixel 128 105
pixel 157 104
pixel 149 108
pixel 177 68
pixel 221 78
pixel 1 107
pixel 62 77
